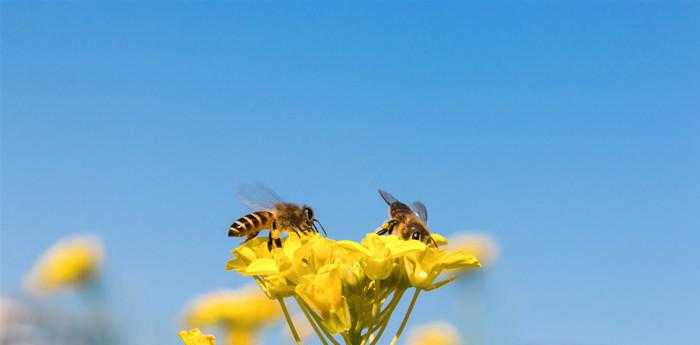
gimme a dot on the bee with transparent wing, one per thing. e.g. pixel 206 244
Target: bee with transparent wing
pixel 271 212
pixel 407 222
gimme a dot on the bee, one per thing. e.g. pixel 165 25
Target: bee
pixel 271 212
pixel 407 222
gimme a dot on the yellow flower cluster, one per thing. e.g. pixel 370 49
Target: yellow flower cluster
pixel 239 313
pixel 69 263
pixel 347 288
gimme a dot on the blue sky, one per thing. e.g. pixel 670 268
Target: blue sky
pixel 569 133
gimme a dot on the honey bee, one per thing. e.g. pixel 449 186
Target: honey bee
pixel 271 212
pixel 407 222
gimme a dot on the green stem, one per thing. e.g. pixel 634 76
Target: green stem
pixel 388 311
pixel 440 284
pixel 405 317
pixel 297 338
pixel 317 319
pixel 383 313
pixel 312 321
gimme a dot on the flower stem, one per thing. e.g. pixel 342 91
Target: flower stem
pixel 297 338
pixel 313 324
pixel 384 321
pixel 405 317
pixel 317 318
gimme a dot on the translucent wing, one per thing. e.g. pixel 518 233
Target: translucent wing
pixel 387 197
pixel 420 209
pixel 257 196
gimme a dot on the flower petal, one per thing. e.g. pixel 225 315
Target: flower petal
pixel 439 239
pixel 354 246
pixel 195 337
pixel 264 266
pixel 401 248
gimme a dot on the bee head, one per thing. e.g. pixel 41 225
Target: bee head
pixel 310 220
pixel 308 214
pixel 416 231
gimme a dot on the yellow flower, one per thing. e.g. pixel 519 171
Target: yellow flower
pixel 244 309
pixel 323 292
pixel 69 263
pixel 277 266
pixel 438 333
pixel 345 288
pixel 439 239
pixel 422 268
pixel 195 337
pixel 379 253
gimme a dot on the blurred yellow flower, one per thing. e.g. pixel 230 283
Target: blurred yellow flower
pixel 195 337
pixel 347 288
pixel 69 263
pixel 240 313
pixel 437 333
pixel 481 246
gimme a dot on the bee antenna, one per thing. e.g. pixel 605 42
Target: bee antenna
pixel 322 228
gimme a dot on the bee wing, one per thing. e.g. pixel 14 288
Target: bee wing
pixel 258 196
pixel 388 198
pixel 420 209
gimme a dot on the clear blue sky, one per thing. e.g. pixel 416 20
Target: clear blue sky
pixel 571 134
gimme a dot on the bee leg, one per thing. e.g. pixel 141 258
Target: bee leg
pixel 392 226
pixel 294 228
pixel 387 227
pixel 269 235
pixel 269 242
pixel 274 235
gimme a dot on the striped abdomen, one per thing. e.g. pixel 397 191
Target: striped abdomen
pixel 251 224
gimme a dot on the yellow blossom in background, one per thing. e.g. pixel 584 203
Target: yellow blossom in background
pixel 345 288
pixel 481 246
pixel 69 263
pixel 244 308
pixel 437 333
pixel 195 337
pixel 240 313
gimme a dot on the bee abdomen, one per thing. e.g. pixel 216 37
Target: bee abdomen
pixel 250 223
